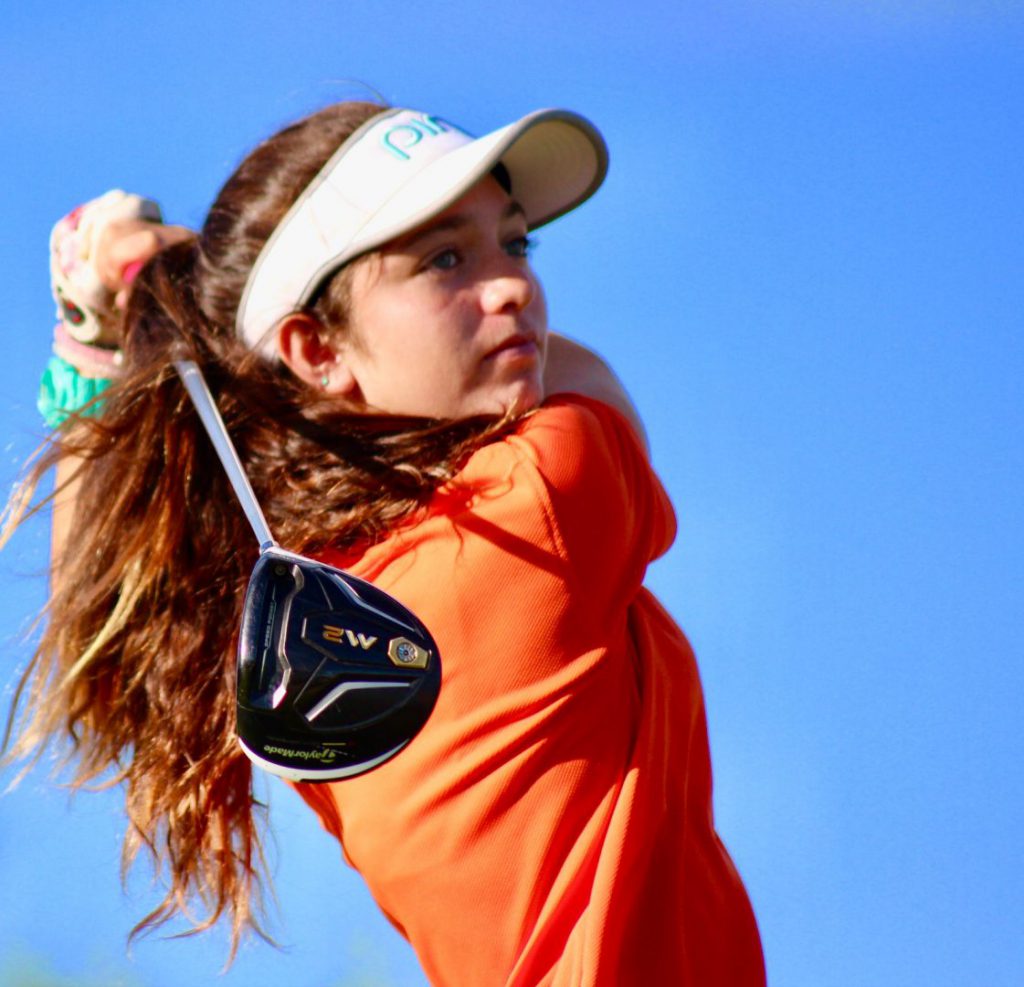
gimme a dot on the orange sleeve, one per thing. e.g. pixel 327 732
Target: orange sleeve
pixel 608 507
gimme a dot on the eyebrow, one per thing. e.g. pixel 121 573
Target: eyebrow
pixel 455 222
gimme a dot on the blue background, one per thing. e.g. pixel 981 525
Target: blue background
pixel 806 265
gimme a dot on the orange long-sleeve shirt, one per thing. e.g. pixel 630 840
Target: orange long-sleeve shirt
pixel 552 823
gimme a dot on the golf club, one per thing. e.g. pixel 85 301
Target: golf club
pixel 334 676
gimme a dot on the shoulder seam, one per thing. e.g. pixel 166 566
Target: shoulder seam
pixel 540 486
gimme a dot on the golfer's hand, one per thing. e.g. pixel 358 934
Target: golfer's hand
pixel 125 246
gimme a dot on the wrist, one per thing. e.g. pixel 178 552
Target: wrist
pixel 64 391
pixel 97 361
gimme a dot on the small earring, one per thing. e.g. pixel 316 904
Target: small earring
pixel 325 380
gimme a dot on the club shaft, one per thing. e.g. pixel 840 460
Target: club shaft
pixel 195 384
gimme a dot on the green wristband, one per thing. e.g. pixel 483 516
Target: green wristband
pixel 63 391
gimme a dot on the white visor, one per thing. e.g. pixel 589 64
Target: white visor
pixel 398 170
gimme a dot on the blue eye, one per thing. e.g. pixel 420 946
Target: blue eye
pixel 520 246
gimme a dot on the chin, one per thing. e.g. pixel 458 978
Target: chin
pixel 513 397
pixel 521 399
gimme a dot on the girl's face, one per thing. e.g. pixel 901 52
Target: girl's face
pixel 449 320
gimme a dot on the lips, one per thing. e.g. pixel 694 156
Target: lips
pixel 520 344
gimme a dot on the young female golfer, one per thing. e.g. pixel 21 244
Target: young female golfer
pixel 362 302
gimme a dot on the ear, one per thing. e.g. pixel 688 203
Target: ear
pixel 306 350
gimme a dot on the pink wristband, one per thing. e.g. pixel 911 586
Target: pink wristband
pixel 96 362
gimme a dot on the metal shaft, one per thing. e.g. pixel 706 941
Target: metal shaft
pixel 195 384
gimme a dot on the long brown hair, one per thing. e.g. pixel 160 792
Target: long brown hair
pixel 135 667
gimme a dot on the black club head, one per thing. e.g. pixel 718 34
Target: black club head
pixel 334 675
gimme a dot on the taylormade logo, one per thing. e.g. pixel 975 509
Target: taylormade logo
pixel 321 755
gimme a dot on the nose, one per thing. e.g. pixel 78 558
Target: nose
pixel 508 290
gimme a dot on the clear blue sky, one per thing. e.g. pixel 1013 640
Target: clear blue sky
pixel 807 265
